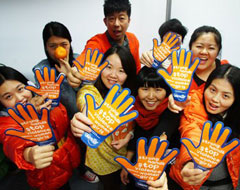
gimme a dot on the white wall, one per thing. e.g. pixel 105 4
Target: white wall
pixel 223 15
pixel 22 22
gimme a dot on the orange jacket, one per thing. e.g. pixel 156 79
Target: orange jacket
pixel 193 118
pixel 100 42
pixel 65 158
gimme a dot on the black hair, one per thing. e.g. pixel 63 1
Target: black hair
pixel 148 77
pixel 8 73
pixel 172 25
pixel 206 29
pixel 128 65
pixel 59 30
pixel 232 75
pixel 112 6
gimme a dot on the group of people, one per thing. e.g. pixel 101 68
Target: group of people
pixel 214 95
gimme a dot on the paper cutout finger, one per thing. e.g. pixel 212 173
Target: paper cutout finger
pixel 182 73
pixel 150 161
pixel 92 66
pixel 212 147
pixel 162 51
pixel 48 84
pixel 110 115
pixel 35 128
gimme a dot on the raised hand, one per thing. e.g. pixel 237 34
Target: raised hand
pixel 151 162
pixel 182 73
pixel 91 68
pixel 212 147
pixel 34 127
pixel 109 115
pixel 162 51
pixel 48 84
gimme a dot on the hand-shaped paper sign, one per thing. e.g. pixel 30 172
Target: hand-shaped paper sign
pixel 48 84
pixel 109 115
pixel 35 127
pixel 91 68
pixel 212 147
pixel 182 73
pixel 162 51
pixel 151 162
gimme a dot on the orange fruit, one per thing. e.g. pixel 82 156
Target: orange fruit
pixel 60 52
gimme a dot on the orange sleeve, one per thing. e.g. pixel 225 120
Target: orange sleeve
pixel 190 127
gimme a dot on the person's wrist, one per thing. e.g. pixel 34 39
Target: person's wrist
pixel 26 154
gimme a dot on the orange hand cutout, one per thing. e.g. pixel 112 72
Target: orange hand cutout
pixel 91 68
pixel 109 116
pixel 162 51
pixel 212 147
pixel 152 162
pixel 182 73
pixel 48 84
pixel 35 128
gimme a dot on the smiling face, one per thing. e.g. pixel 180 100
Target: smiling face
pixel 12 92
pixel 114 72
pixel 117 25
pixel 219 96
pixel 52 44
pixel 151 97
pixel 205 47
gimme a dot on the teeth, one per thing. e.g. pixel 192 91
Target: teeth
pixel 151 103
pixel 112 82
pixel 213 106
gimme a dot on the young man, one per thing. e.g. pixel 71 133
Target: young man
pixel 117 19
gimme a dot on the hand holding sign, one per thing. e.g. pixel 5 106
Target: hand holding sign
pixel 48 84
pixel 182 74
pixel 35 128
pixel 109 116
pixel 91 68
pixel 152 162
pixel 212 147
pixel 162 51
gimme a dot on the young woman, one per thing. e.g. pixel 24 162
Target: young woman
pixel 46 167
pixel 219 101
pixel 205 44
pixel 120 70
pixel 155 118
pixel 54 35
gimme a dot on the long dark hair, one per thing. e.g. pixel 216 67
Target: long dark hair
pixel 148 77
pixel 128 65
pixel 59 30
pixel 8 73
pixel 232 75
